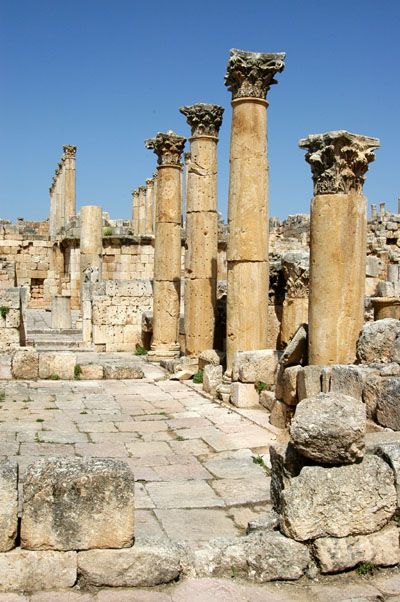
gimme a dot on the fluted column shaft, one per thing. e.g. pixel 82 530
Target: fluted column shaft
pixel 149 206
pixel 70 182
pixel 91 243
pixel 142 211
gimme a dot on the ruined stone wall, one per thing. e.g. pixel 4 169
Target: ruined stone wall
pixel 10 319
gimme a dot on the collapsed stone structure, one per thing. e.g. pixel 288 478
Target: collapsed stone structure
pixel 309 311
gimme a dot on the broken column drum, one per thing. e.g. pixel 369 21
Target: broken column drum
pixel 201 227
pixel 249 77
pixel 167 251
pixel 339 161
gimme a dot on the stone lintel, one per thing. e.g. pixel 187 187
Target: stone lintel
pixel 204 119
pixel 339 160
pixel 251 74
pixel 168 147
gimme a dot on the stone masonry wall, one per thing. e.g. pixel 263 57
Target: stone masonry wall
pixel 10 319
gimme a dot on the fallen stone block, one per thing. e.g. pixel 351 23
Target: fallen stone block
pixel 288 385
pixel 388 406
pixel 143 565
pixel 255 366
pixel 185 374
pixel 340 554
pixel 309 382
pixel 390 452
pixel 244 395
pixel 286 463
pixel 209 356
pixel 348 380
pixel 267 400
pixel 212 377
pixel 296 351
pixel 8 504
pixel 260 556
pixel 115 372
pixel 59 364
pixel 379 341
pixel 77 504
pixel 25 364
pixel 349 500
pixel 330 429
pixel 26 571
pixel 279 414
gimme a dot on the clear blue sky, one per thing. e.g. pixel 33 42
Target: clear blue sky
pixel 107 74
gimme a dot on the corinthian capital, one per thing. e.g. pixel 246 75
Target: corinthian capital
pixel 339 160
pixel 168 147
pixel 251 74
pixel 69 151
pixel 204 119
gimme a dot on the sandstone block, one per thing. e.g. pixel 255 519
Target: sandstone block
pixel 22 570
pixel 112 371
pixel 286 463
pixel 309 382
pixel 25 364
pixel 379 342
pixel 209 356
pixel 77 504
pixel 279 414
pixel 8 505
pixel 330 429
pixel 255 366
pixel 288 385
pixel 339 554
pixel 244 395
pixel 143 565
pixel 212 377
pixel 267 400
pixel 61 364
pixel 387 402
pixel 348 380
pixel 349 500
pixel 296 351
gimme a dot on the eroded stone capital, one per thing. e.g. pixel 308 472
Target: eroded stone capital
pixel 251 74
pixel 339 160
pixel 150 182
pixel 142 189
pixel 135 193
pixel 168 147
pixel 204 119
pixel 69 151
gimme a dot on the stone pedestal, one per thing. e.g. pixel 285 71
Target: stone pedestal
pixel 91 244
pixel 249 77
pixel 201 227
pixel 339 161
pixel 167 264
pixel 61 312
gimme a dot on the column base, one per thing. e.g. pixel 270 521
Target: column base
pixel 160 353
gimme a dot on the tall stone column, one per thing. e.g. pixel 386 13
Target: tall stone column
pixel 167 253
pixel 52 214
pixel 58 209
pixel 142 210
pixel 249 77
pixel 91 244
pixel 339 161
pixel 201 227
pixel 149 206
pixel 135 211
pixel 70 182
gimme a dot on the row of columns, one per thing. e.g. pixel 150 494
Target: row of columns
pixel 63 191
pixel 339 161
pixel 143 208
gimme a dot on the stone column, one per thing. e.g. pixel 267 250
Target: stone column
pixel 142 210
pixel 155 179
pixel 249 77
pixel 167 253
pixel 373 211
pixel 61 312
pixel 201 227
pixel 52 214
pixel 91 244
pixel 70 182
pixel 135 211
pixel 382 209
pixel 57 200
pixel 339 161
pixel 149 206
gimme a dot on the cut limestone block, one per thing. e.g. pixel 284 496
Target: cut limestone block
pixel 212 377
pixel 330 429
pixel 25 364
pixel 244 395
pixel 296 351
pixel 339 554
pixel 77 504
pixel 112 371
pixel 8 505
pixel 60 364
pixel 349 500
pixel 22 570
pixel 390 452
pixel 379 342
pixel 255 366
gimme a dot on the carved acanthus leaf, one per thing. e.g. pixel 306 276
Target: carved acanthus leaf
pixel 339 160
pixel 168 147
pixel 204 119
pixel 251 74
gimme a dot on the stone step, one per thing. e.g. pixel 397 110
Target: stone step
pixel 48 331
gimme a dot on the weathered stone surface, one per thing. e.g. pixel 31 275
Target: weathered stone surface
pixel 91 372
pixel 390 452
pixel 255 366
pixel 267 399
pixel 77 504
pixel 8 504
pixel 25 364
pixel 288 385
pixel 330 429
pixel 113 371
pixel 286 463
pixel 348 380
pixel 349 500
pixel 244 395
pixel 209 356
pixel 261 556
pixel 61 364
pixel 339 554
pixel 5 366
pixel 266 522
pixel 279 414
pixel 379 342
pixel 22 570
pixel 388 406
pixel 296 351
pixel 143 565
pixel 212 377
pixel 309 382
